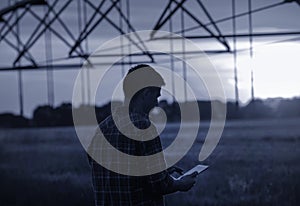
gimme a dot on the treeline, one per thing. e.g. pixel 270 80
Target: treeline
pixel 47 116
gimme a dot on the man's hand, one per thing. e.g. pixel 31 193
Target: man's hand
pixel 186 182
pixel 173 169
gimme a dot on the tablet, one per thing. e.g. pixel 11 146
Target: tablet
pixel 197 168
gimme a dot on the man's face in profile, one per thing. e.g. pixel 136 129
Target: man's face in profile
pixel 151 98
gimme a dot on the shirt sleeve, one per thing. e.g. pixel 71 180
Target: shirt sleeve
pixel 161 182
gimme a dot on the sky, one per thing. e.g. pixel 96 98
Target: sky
pixel 275 61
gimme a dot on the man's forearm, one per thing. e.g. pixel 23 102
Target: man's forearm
pixel 174 187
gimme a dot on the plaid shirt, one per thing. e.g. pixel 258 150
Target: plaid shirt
pixel 111 188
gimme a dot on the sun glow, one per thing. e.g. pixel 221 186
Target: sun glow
pixel 276 70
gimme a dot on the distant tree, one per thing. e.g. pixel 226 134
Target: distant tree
pixel 257 109
pixel 11 120
pixel 233 112
pixel 289 108
pixel 63 115
pixel 44 116
pixel 205 109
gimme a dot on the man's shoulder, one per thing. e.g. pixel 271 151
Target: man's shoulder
pixel 139 120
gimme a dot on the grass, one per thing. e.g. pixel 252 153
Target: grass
pixel 43 167
pixel 255 163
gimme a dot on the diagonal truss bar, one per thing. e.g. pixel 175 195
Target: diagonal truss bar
pixel 65 27
pixel 29 44
pixel 20 4
pixel 2 20
pixel 180 5
pixel 114 25
pixel 290 1
pixel 10 29
pixel 21 53
pixel 162 15
pixel 201 24
pixel 13 24
pixel 88 23
pixel 83 35
pixel 16 48
pixel 50 28
pixel 136 35
pixel 214 25
pixel 29 57
pixel 161 22
pixel 11 9
pixel 231 17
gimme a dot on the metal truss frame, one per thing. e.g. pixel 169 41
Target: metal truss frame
pixel 11 16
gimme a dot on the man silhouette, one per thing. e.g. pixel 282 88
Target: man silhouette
pixel 142 87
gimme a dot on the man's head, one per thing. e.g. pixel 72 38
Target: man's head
pixel 141 87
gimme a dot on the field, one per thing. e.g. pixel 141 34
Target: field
pixel 256 162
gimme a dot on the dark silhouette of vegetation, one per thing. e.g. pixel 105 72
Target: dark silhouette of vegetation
pixel 47 116
pixel 11 120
